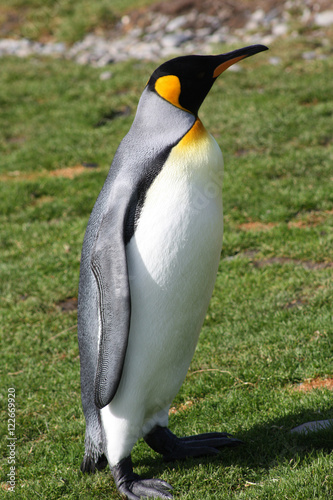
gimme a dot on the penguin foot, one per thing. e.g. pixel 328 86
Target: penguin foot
pixel 90 466
pixel 161 440
pixel 134 487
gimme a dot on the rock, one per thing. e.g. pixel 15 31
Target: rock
pixel 308 56
pixel 154 34
pixel 279 29
pixel 175 39
pixel 236 68
pixel 204 32
pixel 258 16
pixel 315 426
pixel 275 61
pixel 106 75
pixel 324 19
pixel 53 49
pixel 176 23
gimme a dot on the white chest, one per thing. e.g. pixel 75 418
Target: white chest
pixel 172 259
pixel 181 224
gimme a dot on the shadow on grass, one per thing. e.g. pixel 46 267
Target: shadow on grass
pixel 264 447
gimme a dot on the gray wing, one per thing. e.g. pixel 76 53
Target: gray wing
pixel 108 263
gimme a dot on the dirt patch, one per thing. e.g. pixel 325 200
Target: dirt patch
pixel 182 407
pixel 67 173
pixel 307 264
pixel 311 219
pixel 11 19
pixel 315 383
pixel 68 305
pixel 302 221
pixel 295 303
pixel 42 200
pixel 257 226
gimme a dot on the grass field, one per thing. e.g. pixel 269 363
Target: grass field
pixel 269 325
pixel 61 20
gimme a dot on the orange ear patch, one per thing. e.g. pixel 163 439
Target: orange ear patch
pixel 169 88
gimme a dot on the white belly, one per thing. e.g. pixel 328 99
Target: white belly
pixel 173 259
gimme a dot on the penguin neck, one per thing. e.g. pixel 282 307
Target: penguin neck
pixel 157 116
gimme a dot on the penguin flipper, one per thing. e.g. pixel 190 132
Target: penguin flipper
pixel 134 487
pixel 109 265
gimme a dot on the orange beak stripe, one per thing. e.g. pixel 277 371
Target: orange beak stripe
pixel 222 67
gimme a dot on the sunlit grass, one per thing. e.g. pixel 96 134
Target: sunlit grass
pixel 269 325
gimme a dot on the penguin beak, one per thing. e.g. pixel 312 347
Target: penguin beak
pixel 230 58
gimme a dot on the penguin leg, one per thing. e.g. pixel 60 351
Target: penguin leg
pixel 163 441
pixel 134 487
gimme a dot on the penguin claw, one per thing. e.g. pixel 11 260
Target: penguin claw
pixel 146 488
pixel 161 440
pixel 134 487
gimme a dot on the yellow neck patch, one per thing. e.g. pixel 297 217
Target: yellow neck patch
pixel 169 88
pixel 194 135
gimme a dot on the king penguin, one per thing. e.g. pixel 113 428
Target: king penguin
pixel 149 262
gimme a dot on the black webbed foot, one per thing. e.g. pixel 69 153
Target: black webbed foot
pixel 161 440
pixel 134 487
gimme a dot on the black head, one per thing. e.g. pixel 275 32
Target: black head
pixel 185 81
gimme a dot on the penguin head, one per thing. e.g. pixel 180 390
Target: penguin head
pixel 185 81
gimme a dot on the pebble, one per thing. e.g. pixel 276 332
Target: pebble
pixel 167 36
pixel 317 425
pixel 106 75
pixel 279 29
pixel 324 19
pixel 274 61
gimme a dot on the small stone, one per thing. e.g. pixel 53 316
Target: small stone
pixel 104 60
pixel 279 29
pixel 267 39
pixel 106 75
pixel 310 55
pixel 49 49
pixel 167 52
pixel 83 58
pixel 317 425
pixel 176 23
pixel 236 68
pixel 251 25
pixel 125 20
pixel 275 61
pixel 324 19
pixel 217 38
pixel 203 32
pixel 174 40
pixel 306 15
pixel 272 15
pixel 258 15
pixel 158 24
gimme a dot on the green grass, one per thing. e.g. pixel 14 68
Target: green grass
pixel 269 325
pixel 62 20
